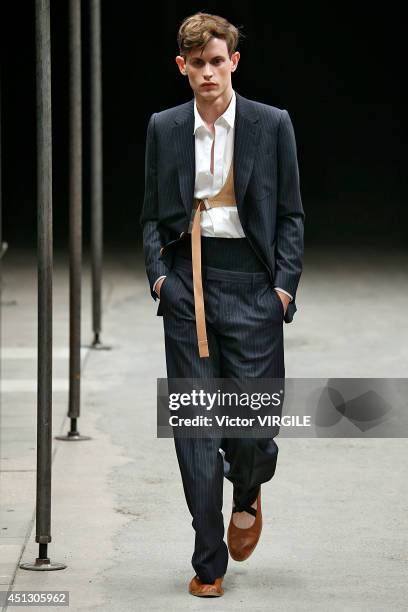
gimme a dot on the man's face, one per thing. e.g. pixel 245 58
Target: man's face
pixel 209 71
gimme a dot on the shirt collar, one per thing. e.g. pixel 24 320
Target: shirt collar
pixel 228 116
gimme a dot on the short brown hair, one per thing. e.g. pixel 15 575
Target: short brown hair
pixel 198 29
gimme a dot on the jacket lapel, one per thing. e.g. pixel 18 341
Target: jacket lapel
pixel 245 144
pixel 184 143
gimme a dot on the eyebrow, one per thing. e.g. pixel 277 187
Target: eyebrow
pixel 201 59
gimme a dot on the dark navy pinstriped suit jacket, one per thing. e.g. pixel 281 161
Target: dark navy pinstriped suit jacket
pixel 266 181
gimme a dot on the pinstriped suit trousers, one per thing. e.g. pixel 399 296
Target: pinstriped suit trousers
pixel 244 318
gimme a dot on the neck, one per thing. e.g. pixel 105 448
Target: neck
pixel 210 110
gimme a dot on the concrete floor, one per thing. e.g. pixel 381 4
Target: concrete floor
pixel 335 513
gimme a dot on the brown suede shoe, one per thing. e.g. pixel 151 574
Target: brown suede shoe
pixel 200 589
pixel 241 542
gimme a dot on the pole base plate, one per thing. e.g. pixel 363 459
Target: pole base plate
pixel 72 437
pixel 42 565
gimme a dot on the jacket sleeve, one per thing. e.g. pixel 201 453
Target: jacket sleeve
pixel 289 244
pixel 149 216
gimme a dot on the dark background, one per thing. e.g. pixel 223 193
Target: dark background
pixel 337 69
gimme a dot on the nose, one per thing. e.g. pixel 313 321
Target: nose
pixel 207 72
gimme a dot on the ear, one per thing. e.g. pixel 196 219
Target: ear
pixel 181 64
pixel 234 60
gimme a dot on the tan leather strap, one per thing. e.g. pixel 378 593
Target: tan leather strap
pixel 197 281
pixel 225 197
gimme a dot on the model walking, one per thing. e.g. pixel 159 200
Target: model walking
pixel 223 243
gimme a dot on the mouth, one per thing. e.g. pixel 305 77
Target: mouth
pixel 208 85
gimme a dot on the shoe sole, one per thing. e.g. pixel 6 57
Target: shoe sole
pixel 209 595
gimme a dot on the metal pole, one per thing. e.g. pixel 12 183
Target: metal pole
pixel 1 202
pixel 75 207
pixel 75 220
pixel 96 168
pixel 3 245
pixel 44 245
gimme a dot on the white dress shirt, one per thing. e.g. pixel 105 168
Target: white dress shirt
pixel 222 221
